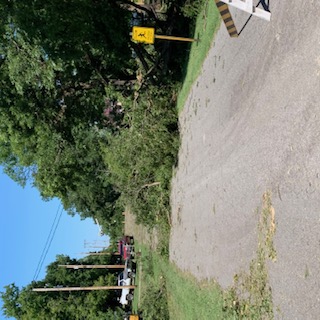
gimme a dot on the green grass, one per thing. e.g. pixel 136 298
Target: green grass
pixel 189 299
pixel 207 23
pixel 167 293
pixel 172 293
pixel 135 302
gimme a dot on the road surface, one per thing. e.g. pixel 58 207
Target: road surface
pixel 252 124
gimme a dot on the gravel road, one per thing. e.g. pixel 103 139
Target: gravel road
pixel 252 124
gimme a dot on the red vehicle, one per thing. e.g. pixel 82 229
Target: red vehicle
pixel 125 247
pixel 128 240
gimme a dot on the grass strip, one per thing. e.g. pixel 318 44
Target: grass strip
pixel 207 23
pixel 173 294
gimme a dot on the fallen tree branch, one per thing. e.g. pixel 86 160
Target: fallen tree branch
pixel 147 185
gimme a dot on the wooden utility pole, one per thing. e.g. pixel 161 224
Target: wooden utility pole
pixel 92 266
pixel 83 288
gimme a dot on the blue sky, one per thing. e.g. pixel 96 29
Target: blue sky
pixel 25 224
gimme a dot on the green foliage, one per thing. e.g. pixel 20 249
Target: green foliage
pixel 155 304
pixel 206 23
pixel 176 293
pixel 48 129
pixel 11 306
pixel 141 156
pixel 154 301
pixel 164 237
pixel 76 174
pixel 73 30
pixel 56 60
pixel 192 8
pixel 25 304
pixel 27 64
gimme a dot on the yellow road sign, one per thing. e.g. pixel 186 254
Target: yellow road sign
pixel 141 34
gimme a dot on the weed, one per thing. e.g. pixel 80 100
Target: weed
pixel 250 297
pixel 154 301
pixel 163 239
pixel 306 272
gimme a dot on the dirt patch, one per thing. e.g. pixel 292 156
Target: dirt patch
pixel 141 234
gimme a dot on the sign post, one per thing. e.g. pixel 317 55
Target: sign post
pixel 147 35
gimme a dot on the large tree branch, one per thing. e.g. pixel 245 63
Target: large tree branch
pixel 148 185
pixel 89 59
pixel 144 63
pixel 145 8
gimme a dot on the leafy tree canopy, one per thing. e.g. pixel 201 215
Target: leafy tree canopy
pixel 55 61
pixel 75 31
pixel 59 61
pixel 25 304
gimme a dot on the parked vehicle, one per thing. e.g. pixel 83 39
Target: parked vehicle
pixel 126 278
pixel 126 247
pixel 128 240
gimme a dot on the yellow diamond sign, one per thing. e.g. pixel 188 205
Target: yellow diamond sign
pixel 142 34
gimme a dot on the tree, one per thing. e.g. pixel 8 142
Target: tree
pixel 58 61
pixel 81 33
pixel 11 306
pixel 140 158
pixel 48 128
pixel 25 304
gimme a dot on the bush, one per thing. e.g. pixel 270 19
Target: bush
pixel 155 305
pixel 141 155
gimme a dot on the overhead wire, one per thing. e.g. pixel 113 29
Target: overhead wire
pixel 49 240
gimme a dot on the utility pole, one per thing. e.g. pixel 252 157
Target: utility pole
pixel 83 288
pixel 92 266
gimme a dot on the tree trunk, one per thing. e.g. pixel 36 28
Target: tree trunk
pixel 146 8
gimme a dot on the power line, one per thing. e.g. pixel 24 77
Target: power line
pixel 50 237
pixel 47 245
